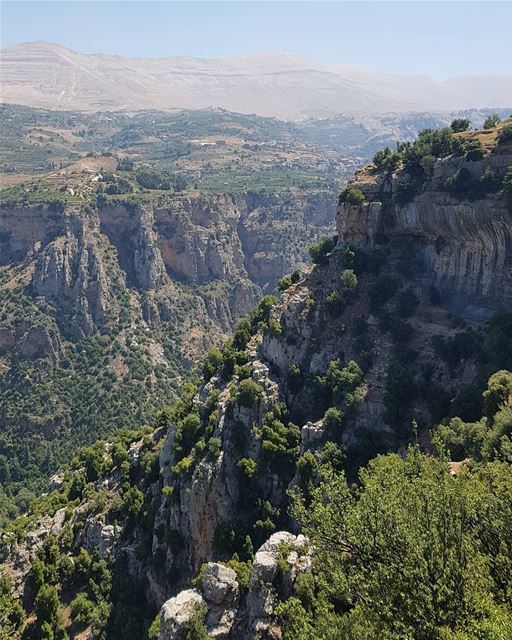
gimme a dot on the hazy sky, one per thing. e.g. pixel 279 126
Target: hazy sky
pixel 440 39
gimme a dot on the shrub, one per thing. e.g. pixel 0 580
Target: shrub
pixel 274 327
pixel 262 311
pixel 194 628
pixel 319 250
pixel 295 276
pixel 333 418
pixel 247 466
pixel 214 448
pixel 507 187
pixel 187 431
pixel 505 135
pixel 491 121
pixel 386 160
pixel 212 362
pixel 248 393
pixel 461 184
pixel 94 461
pixel 405 190
pixel 473 150
pixel 280 443
pixel 284 283
pixel 154 629
pixel 242 335
pixel 49 611
pixel 152 179
pixel 334 303
pixel 460 124
pixel 12 615
pixel 295 378
pixel 348 280
pixel 82 609
pixel 351 195
pixel 125 164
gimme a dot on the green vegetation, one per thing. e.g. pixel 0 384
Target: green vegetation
pixel 491 437
pixel 12 615
pixel 412 552
pixel 460 124
pixel 321 249
pixel 248 393
pixel 286 281
pixel 492 121
pixel 280 441
pixel 505 134
pixel 351 195
pixel 386 161
pixel 507 187
pixel 194 628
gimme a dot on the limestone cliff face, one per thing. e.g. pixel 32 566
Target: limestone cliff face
pixel 147 288
pixel 460 249
pixel 275 231
pixel 72 272
pixel 465 246
pixel 81 262
pixel 352 353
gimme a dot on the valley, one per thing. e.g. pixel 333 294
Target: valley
pixel 396 339
pixel 130 245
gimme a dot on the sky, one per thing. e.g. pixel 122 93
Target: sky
pixel 440 39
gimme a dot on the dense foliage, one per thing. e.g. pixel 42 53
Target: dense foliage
pixel 412 552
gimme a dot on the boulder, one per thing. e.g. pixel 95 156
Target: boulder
pixel 176 611
pixel 219 584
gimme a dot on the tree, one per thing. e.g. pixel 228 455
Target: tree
pixel 412 553
pixel 505 134
pixel 507 187
pixel 12 615
pixel 284 283
pixel 348 280
pixel 473 150
pixel 82 609
pixel 386 160
pixel 333 418
pixel 49 611
pixel 94 461
pixel 491 121
pixel 460 124
pixel 319 250
pixel 248 393
pixel 194 628
pixel 212 362
pixel 352 195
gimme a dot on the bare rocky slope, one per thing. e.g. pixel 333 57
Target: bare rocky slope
pixel 404 315
pixel 42 74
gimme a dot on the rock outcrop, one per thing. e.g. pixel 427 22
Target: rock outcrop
pixel 361 355
pixel 229 614
pixel 464 245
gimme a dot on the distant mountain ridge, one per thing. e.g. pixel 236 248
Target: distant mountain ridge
pixel 47 75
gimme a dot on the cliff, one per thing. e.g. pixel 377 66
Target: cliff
pixel 114 306
pixel 394 329
pixel 463 245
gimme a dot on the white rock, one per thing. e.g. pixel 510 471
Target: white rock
pixel 219 584
pixel 176 611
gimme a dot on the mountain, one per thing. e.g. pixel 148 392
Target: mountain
pixel 257 506
pixel 112 289
pixel 49 76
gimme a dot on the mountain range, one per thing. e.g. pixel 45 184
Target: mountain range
pixel 47 75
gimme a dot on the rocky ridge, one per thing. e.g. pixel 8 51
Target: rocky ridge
pixel 358 347
pixel 146 287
